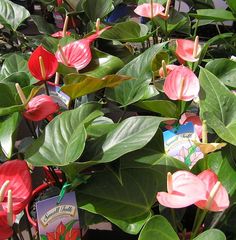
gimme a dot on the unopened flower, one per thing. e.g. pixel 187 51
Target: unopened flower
pixel 40 107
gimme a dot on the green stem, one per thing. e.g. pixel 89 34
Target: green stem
pixel 173 218
pixel 196 217
pixel 195 30
pixel 46 88
pixel 198 224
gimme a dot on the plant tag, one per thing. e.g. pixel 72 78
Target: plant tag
pixel 58 221
pixel 179 144
pixel 60 97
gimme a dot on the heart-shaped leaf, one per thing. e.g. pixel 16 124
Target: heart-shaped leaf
pixel 64 138
pixel 224 69
pixel 82 84
pixel 127 32
pixel 218 106
pixel 141 69
pixel 12 15
pixel 43 26
pixel 215 234
pixel 158 228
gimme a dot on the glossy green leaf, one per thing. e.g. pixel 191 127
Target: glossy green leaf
pixel 12 15
pixel 97 9
pixel 8 129
pixel 127 32
pixel 148 1
pixel 164 107
pixel 64 138
pixel 18 77
pixel 141 69
pixel 224 69
pixel 158 228
pixel 102 64
pixel 218 15
pixel 215 234
pixel 221 163
pixel 82 85
pixel 43 26
pixel 218 106
pixel 232 5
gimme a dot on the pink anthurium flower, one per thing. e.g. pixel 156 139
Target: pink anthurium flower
pixel 148 10
pixel 183 189
pixel 187 50
pixel 15 176
pixel 78 54
pixel 195 119
pixel 40 107
pixel 217 198
pixel 60 34
pixel 73 234
pixel 181 84
pixel 169 69
pixel 42 64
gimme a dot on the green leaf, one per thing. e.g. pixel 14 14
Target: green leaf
pixel 127 32
pixel 8 129
pixel 164 107
pixel 102 64
pixel 222 164
pixel 218 15
pixel 14 63
pixel 18 77
pixel 224 69
pixel 64 138
pixel 215 234
pixel 82 85
pixel 232 5
pixel 97 9
pixel 218 106
pixel 12 15
pixel 158 228
pixel 141 69
pixel 43 26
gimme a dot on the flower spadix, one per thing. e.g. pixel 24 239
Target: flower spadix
pixel 183 189
pixel 42 64
pixel 217 198
pixel 187 50
pixel 181 84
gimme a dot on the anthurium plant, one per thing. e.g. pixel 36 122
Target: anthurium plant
pixel 134 103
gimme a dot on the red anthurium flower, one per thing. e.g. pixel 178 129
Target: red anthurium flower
pixel 60 34
pixel 183 189
pixel 40 107
pixel 15 176
pixel 187 50
pixel 150 10
pixel 195 119
pixel 42 64
pixel 5 230
pixel 169 69
pixel 73 234
pixel 217 198
pixel 181 84
pixel 78 54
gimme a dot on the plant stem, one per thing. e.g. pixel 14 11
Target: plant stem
pixel 30 129
pixel 174 219
pixel 28 227
pixel 46 88
pixel 196 28
pixel 198 224
pixel 196 218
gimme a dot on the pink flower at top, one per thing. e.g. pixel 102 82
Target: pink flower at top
pixel 40 107
pixel 217 198
pixel 60 34
pixel 144 10
pixel 187 50
pixel 169 69
pixel 181 84
pixel 42 64
pixel 183 189
pixel 195 119
pixel 78 54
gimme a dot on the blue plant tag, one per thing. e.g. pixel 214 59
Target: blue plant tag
pixel 58 221
pixel 179 144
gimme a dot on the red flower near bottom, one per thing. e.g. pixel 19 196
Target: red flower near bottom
pixel 5 230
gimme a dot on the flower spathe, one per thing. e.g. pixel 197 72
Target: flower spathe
pixel 181 84
pixel 78 54
pixel 18 178
pixel 48 66
pixel 187 50
pixel 5 230
pixel 183 189
pixel 217 199
pixel 60 34
pixel 40 107
pixel 144 10
pixel 169 69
